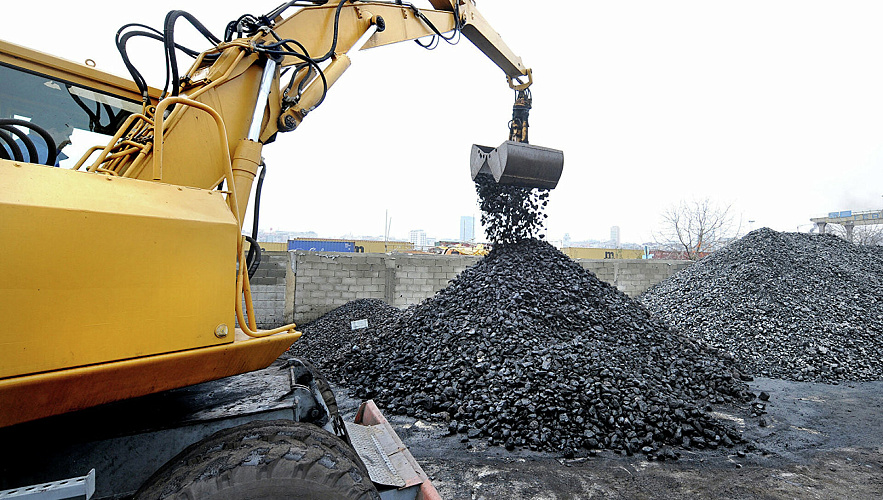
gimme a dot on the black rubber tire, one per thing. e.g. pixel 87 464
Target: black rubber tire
pixel 263 461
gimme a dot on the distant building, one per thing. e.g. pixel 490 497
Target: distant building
pixel 467 228
pixel 272 236
pixel 418 238
pixel 615 238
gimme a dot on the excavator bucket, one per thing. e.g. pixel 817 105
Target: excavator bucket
pixel 518 164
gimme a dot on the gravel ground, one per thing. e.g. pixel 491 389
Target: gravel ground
pixel 793 306
pixel 821 442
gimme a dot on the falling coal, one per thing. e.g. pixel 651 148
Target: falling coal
pixel 511 213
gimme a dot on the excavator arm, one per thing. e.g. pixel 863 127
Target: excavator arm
pixel 474 27
pixel 241 81
pixel 392 23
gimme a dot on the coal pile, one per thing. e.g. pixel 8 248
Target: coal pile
pixel 785 305
pixel 329 337
pixel 528 349
pixel 511 213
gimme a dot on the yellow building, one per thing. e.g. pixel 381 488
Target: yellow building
pixel 361 246
pixel 368 246
pixel 602 253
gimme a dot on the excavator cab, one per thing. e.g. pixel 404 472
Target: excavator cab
pixel 516 162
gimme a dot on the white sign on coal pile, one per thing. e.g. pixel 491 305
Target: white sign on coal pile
pixel 358 325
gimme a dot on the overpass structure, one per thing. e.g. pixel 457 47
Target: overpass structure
pixel 849 220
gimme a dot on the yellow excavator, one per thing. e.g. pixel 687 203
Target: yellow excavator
pixel 125 273
pixel 478 250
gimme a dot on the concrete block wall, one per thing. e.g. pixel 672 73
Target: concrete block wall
pixel 320 282
pixel 302 286
pixel 633 277
pixel 417 277
pixel 268 289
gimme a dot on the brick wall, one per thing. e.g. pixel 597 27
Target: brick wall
pixel 302 286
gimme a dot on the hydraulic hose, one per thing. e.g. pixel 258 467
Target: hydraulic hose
pixel 33 157
pixel 253 261
pixel 169 42
pixel 51 153
pixel 254 251
pixel 9 142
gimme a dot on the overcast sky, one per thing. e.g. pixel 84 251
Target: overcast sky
pixel 773 106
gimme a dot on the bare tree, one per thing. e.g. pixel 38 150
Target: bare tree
pixel 697 227
pixel 867 235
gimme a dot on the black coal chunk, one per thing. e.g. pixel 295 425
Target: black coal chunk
pixel 528 349
pixel 785 305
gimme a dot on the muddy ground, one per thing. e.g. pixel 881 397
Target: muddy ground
pixel 821 441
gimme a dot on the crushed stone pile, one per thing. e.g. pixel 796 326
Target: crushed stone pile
pixel 528 349
pixel 784 305
pixel 331 336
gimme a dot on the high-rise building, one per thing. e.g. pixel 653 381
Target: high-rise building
pixel 615 237
pixel 418 238
pixel 467 229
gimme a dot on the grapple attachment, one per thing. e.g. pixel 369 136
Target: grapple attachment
pixel 518 164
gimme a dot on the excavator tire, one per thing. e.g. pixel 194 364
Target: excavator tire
pixel 263 461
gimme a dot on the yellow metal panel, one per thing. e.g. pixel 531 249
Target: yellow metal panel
pixel 46 394
pixel 99 268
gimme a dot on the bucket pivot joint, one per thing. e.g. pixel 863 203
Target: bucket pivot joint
pixel 520 111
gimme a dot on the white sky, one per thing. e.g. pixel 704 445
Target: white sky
pixel 775 106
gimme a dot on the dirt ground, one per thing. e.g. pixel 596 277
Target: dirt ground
pixel 821 441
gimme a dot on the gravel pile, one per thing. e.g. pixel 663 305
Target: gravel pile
pixel 784 305
pixel 329 337
pixel 528 349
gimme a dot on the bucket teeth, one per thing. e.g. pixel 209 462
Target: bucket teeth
pixel 518 164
